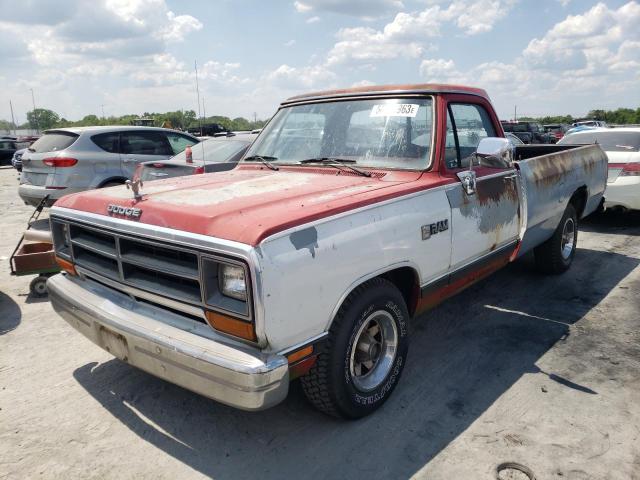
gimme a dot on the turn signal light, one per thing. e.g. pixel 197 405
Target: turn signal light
pixel 67 266
pixel 232 326
pixel 300 354
pixel 60 162
pixel 198 170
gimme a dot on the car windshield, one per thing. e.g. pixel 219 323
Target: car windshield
pixel 379 133
pixel 213 150
pixel 610 140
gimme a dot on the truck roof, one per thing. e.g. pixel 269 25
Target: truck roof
pixel 419 88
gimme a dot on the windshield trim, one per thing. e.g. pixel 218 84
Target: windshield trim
pixel 386 95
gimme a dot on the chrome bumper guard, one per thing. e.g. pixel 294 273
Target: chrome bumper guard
pixel 230 373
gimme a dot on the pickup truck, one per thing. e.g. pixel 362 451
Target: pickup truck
pixel 353 212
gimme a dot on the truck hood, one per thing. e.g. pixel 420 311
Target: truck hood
pixel 250 203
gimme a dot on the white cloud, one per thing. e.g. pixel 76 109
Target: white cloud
pixel 313 19
pixel 363 9
pixel 407 34
pixel 589 42
pixel 288 77
pixel 302 7
pixel 289 43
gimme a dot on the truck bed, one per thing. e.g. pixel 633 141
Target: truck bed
pixel 550 176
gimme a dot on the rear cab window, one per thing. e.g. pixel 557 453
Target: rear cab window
pixel 53 142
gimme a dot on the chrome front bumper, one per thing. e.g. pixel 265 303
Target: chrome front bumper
pixel 229 372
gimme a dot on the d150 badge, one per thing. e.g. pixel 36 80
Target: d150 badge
pixel 433 228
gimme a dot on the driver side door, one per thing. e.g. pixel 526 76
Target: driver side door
pixel 484 224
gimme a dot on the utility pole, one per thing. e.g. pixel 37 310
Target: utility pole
pixel 35 116
pixel 13 120
pixel 102 106
pixel 515 113
pixel 204 110
pixel 195 64
pixel 255 117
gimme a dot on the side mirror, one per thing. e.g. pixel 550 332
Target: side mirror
pixel 495 152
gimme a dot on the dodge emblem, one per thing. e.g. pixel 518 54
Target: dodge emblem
pixel 131 212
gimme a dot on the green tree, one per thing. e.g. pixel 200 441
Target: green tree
pixel 42 118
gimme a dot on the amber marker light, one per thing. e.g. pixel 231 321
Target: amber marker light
pixel 232 326
pixel 67 266
pixel 300 354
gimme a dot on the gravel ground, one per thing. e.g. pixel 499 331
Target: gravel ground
pixel 542 371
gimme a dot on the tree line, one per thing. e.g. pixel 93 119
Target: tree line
pixel 43 119
pixel 621 116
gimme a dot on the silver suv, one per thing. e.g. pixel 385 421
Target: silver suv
pixel 69 160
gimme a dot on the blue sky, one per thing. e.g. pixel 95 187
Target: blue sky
pixel 546 56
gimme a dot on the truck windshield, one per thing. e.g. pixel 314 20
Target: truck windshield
pixel 380 133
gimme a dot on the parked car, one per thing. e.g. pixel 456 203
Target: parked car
pixel 513 138
pixel 212 155
pixel 70 160
pixel 528 132
pixel 7 149
pixel 581 128
pixel 350 214
pixel 590 123
pixel 16 160
pixel 555 131
pixel 208 129
pixel 622 146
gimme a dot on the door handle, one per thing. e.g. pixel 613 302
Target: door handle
pixel 509 177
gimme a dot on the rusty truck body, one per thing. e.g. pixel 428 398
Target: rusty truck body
pixel 352 212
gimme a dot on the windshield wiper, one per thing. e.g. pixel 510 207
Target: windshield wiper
pixel 263 159
pixel 335 162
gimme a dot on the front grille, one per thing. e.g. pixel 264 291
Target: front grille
pixel 158 268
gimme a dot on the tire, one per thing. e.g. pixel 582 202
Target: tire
pixel 38 286
pixel 349 382
pixel 556 254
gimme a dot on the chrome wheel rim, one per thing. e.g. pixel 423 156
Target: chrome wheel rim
pixel 568 238
pixel 374 351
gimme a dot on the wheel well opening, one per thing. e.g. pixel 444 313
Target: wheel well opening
pixel 406 280
pixel 579 200
pixel 119 180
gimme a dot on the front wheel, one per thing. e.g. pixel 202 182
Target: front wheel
pixel 366 352
pixel 556 254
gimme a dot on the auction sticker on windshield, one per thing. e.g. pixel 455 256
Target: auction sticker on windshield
pixel 394 110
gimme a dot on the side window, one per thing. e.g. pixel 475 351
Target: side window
pixel 470 124
pixel 144 143
pixel 107 141
pixel 179 142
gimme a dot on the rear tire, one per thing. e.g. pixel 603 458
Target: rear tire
pixel 365 353
pixel 556 254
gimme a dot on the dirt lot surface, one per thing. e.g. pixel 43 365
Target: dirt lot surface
pixel 543 371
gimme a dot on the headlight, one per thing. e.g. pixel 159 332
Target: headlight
pixel 227 286
pixel 61 238
pixel 232 282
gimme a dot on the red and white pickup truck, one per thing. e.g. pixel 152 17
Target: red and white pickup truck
pixel 352 212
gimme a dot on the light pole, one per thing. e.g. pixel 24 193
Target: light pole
pixel 35 115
